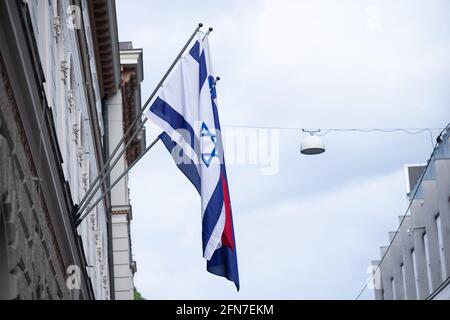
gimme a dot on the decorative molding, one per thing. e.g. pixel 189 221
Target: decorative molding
pixel 57 26
pixel 85 172
pixel 120 212
pixel 97 238
pixel 81 155
pixel 85 181
pixel 64 67
pixel 99 244
pixel 76 136
pixel 93 218
pixel 70 100
pixel 102 265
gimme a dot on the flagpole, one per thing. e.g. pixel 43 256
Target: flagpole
pixel 106 165
pixel 92 194
pixel 210 29
pixel 89 208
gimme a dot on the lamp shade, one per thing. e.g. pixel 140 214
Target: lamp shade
pixel 312 145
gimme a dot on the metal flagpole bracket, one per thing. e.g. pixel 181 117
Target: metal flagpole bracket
pixel 74 211
pixel 89 208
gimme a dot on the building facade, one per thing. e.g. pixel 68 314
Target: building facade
pixel 417 265
pixel 59 67
pixel 123 109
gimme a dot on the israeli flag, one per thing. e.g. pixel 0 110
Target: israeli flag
pixel 186 111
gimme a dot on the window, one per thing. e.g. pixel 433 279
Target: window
pixel 416 277
pixel 427 260
pixel 441 247
pixel 405 294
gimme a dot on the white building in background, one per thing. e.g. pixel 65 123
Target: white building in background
pixel 122 111
pixel 417 265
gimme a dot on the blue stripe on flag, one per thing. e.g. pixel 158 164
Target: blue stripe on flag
pixel 203 70
pixel 212 213
pixel 195 51
pixel 215 114
pixel 224 263
pixel 189 169
pixel 212 89
pixel 224 260
pixel 163 110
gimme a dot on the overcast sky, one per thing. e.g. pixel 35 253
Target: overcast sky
pixel 311 230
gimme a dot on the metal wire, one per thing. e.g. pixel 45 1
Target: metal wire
pixel 410 131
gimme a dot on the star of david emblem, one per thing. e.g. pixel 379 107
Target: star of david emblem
pixel 209 142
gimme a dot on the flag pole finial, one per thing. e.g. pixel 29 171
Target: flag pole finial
pixel 210 29
pixel 200 24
